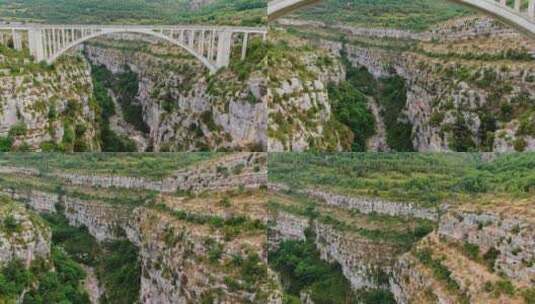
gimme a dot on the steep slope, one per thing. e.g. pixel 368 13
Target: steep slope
pixel 300 115
pixel 177 106
pixel 200 239
pixel 46 108
pixel 342 230
pixel 462 85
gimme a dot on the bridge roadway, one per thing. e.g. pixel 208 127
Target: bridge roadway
pixel 211 45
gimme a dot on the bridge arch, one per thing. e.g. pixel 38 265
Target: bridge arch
pixel 517 15
pixel 205 61
pixel 211 45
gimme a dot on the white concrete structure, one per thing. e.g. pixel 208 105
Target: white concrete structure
pixel 520 13
pixel 210 44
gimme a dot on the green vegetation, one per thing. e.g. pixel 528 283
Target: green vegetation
pixel 350 107
pixel 231 226
pixel 125 87
pixel 76 241
pixel 119 270
pixel 110 141
pixel 14 278
pixel 417 15
pixel 151 165
pixel 116 262
pixel 64 285
pixel 302 269
pixel 230 12
pixel 424 178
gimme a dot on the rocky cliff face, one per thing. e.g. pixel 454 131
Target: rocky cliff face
pixel 23 235
pixel 203 247
pixel 365 205
pixel 467 80
pixel 47 107
pixel 183 108
pixel 486 256
pixel 365 261
pixel 300 116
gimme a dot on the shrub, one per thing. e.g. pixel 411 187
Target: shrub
pixel 6 143
pixel 18 129
pixel 11 225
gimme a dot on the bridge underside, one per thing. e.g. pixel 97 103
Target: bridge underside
pixel 277 9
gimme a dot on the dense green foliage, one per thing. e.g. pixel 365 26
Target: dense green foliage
pixel 76 241
pixel 125 87
pixel 403 14
pixel 14 278
pixel 116 262
pixel 392 95
pixel 349 106
pixel 119 270
pixel 109 140
pixel 424 178
pixel 64 285
pixel 302 269
pixel 236 12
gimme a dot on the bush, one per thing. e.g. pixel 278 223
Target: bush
pixel 18 129
pixel 301 268
pixel 350 107
pixel 120 272
pixel 11 225
pixel 61 285
pixel 6 143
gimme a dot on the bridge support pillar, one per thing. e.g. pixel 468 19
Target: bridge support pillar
pixel 244 46
pixel 517 5
pixel 17 40
pixel 2 38
pixel 35 44
pixel 531 9
pixel 223 49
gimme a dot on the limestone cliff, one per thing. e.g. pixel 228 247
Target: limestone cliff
pixel 204 242
pixel 473 256
pixel 469 81
pixel 300 116
pixel 46 108
pixel 184 108
pixel 23 235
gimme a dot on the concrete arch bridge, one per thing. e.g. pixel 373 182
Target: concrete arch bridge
pixel 211 45
pixel 517 13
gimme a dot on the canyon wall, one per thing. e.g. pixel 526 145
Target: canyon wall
pixel 182 106
pixel 300 116
pixel 467 80
pixel 47 108
pixel 25 237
